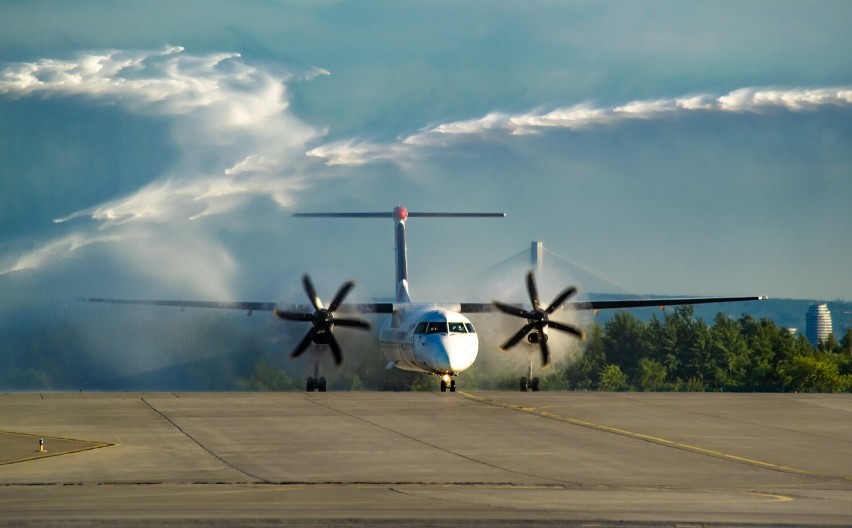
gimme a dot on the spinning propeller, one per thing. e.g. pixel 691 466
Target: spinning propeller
pixel 538 319
pixel 323 320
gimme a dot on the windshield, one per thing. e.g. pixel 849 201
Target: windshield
pixel 436 328
pixel 458 328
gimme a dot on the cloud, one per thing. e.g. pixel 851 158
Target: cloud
pixel 229 121
pixel 47 252
pixel 578 117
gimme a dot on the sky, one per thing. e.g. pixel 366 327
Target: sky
pixel 157 149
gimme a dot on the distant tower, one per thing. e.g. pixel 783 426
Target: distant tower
pixel 817 323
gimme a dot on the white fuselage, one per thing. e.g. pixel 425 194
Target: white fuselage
pixel 428 338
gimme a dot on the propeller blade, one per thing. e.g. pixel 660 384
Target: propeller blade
pixel 303 344
pixel 545 352
pixel 515 339
pixel 335 349
pixel 294 316
pixel 573 330
pixel 322 319
pixel 354 323
pixel 561 298
pixel 531 289
pixel 511 309
pixel 341 293
pixel 311 291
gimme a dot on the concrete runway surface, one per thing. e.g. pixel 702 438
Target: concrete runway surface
pixel 425 459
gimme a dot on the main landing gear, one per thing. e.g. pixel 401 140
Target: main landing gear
pixel 528 382
pixel 316 382
pixel 448 383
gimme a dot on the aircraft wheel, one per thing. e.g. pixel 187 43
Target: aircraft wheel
pixel 534 385
pixel 452 385
pixel 443 386
pixel 312 384
pixel 321 384
pixel 524 384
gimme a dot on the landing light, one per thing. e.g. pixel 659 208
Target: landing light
pixel 446 377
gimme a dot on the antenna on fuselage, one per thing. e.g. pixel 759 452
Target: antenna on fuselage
pixel 399 215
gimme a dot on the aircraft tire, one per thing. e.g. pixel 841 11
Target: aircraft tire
pixel 452 385
pixel 443 386
pixel 524 384
pixel 311 385
pixel 321 386
pixel 534 384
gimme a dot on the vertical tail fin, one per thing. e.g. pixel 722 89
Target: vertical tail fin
pixel 399 216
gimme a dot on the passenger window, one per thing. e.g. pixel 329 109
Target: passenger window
pixel 470 328
pixel 420 329
pixel 437 328
pixel 458 328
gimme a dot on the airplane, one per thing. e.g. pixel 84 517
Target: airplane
pixel 433 338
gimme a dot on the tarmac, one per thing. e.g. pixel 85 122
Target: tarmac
pixel 425 459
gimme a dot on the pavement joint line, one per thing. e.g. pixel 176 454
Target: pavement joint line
pixel 433 446
pixel 644 437
pixel 199 444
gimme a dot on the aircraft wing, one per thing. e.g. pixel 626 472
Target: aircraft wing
pixel 621 303
pixel 639 303
pixel 387 308
pixel 246 306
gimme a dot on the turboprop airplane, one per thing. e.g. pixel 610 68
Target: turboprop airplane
pixel 433 338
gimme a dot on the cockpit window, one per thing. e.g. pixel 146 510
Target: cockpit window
pixel 458 328
pixel 420 328
pixel 436 328
pixel 470 328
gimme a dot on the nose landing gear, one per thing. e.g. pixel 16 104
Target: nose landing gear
pixel 448 382
pixel 529 384
pixel 316 384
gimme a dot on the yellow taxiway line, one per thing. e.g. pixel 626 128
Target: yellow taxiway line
pixel 641 436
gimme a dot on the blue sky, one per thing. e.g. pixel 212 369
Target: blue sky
pixel 157 149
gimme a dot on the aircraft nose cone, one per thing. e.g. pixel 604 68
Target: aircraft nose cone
pixel 453 355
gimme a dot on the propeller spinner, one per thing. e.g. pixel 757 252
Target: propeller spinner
pixel 323 320
pixel 538 319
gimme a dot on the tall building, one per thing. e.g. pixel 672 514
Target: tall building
pixel 817 323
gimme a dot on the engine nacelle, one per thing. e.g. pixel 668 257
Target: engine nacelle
pixel 533 337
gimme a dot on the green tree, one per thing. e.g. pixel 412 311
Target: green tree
pixel 815 373
pixel 583 373
pixel 762 361
pixel 846 343
pixel 624 341
pixel 729 353
pixel 613 379
pixel 652 375
pixel 265 377
pixel 829 344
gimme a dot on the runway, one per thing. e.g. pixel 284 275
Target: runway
pixel 425 459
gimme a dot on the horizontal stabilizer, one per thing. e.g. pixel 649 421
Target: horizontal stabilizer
pixel 391 215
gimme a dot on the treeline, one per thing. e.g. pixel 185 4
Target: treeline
pixel 201 351
pixel 681 353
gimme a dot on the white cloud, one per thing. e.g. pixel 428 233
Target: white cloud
pixel 581 116
pixel 49 252
pixel 230 124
